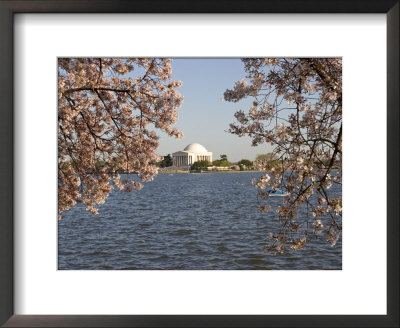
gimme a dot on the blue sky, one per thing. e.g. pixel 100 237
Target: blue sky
pixel 204 117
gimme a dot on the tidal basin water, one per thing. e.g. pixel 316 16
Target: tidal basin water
pixel 184 222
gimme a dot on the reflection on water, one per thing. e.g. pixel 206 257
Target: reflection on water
pixel 183 221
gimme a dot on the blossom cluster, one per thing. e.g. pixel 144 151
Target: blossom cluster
pixel 296 108
pixel 108 110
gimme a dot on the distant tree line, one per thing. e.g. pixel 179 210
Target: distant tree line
pixel 268 160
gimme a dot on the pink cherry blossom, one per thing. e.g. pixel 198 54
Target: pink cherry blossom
pixel 107 108
pixel 296 108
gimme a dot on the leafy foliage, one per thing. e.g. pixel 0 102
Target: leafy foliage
pixel 200 165
pixel 245 162
pixel 166 161
pixel 222 162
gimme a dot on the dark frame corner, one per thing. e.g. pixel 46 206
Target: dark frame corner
pixel 10 7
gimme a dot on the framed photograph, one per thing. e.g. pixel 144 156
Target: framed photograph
pixel 187 164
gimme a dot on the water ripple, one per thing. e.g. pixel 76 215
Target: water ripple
pixel 184 221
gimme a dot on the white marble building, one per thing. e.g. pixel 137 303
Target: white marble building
pixel 192 153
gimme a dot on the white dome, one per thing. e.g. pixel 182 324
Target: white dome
pixel 195 148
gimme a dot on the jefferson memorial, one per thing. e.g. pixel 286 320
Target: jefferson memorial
pixel 192 153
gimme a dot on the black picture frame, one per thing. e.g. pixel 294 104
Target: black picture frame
pixel 7 10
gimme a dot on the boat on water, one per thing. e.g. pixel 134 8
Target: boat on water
pixel 277 193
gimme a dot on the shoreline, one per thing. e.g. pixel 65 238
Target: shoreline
pixel 205 172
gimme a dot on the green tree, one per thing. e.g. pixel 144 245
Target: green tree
pixel 222 162
pixel 166 162
pixel 201 165
pixel 245 162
